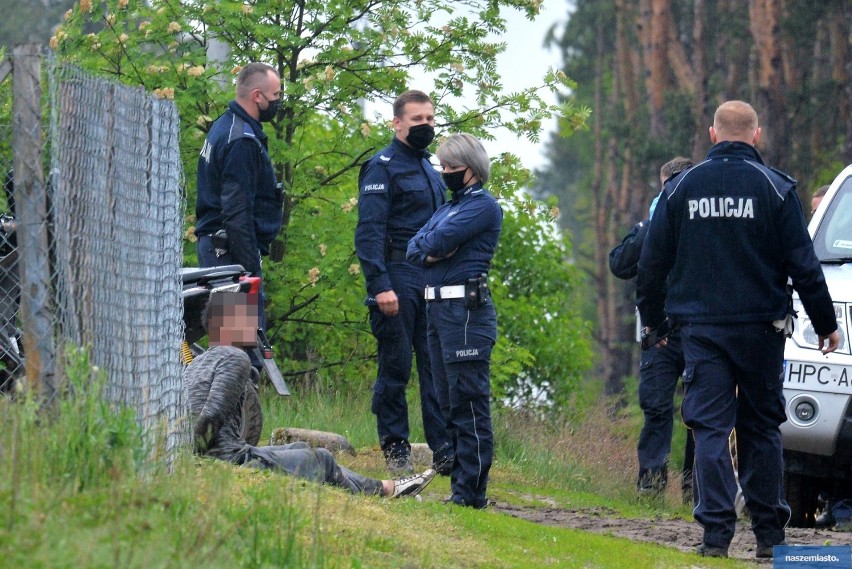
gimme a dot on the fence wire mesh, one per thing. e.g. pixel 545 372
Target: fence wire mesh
pixel 11 363
pixel 113 211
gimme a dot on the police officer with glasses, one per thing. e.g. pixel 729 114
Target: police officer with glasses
pixel 456 247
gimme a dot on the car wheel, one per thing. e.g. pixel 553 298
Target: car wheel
pixel 801 492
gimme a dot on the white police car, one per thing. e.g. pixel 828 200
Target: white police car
pixel 818 388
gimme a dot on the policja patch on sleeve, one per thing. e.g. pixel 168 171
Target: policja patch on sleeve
pixel 380 188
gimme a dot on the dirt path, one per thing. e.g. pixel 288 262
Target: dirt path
pixel 681 534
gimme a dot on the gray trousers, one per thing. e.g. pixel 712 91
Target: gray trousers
pixel 315 464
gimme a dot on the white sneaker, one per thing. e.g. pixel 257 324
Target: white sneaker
pixel 412 485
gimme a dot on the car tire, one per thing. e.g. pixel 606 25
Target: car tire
pixel 801 492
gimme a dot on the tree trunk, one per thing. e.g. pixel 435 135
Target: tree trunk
pixel 676 53
pixel 764 22
pixel 701 112
pixel 731 51
pixel 616 206
pixel 624 59
pixel 654 41
pixel 839 37
pixel 597 195
pixel 821 66
pixel 792 69
pixel 843 68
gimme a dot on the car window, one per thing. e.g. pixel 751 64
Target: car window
pixel 833 237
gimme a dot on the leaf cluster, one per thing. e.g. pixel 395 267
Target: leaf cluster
pixel 335 58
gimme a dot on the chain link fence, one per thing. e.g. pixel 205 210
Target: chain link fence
pixel 11 363
pixel 98 242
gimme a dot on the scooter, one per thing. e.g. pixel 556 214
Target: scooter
pixel 198 285
pixel 11 348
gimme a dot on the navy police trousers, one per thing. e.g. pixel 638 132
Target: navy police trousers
pixel 659 371
pixel 733 379
pixel 396 337
pixel 460 343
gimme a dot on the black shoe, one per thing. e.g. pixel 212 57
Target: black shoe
pixel 477 506
pixel 398 457
pixel 650 491
pixel 412 485
pixel 843 525
pixel 705 550
pixel 444 466
pixel 398 465
pixel 652 482
pixel 824 520
pixel 765 551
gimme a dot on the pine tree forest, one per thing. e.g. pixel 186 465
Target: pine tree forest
pixel 653 71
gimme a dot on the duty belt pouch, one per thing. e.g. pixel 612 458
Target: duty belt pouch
pixel 785 325
pixel 476 292
pixel 220 242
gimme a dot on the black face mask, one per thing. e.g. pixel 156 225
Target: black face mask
pixel 420 136
pixel 455 181
pixel 271 110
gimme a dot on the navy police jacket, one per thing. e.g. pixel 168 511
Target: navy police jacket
pixel 399 190
pixel 728 232
pixel 237 189
pixel 468 227
pixel 624 258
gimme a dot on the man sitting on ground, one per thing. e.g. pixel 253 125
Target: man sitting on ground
pixel 216 382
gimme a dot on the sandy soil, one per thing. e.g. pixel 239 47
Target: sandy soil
pixel 684 535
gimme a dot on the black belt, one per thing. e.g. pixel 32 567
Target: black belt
pixel 395 255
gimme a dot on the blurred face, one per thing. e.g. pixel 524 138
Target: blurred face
pixel 413 114
pixel 815 203
pixel 235 323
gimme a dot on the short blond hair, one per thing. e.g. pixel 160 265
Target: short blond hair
pixel 735 120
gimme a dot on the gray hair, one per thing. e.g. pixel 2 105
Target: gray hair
pixel 465 150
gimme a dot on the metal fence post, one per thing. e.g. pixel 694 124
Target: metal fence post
pixel 31 212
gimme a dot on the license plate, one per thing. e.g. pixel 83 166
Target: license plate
pixel 818 376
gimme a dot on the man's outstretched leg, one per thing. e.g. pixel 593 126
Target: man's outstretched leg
pixel 319 465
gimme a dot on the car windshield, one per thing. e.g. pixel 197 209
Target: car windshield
pixel 833 237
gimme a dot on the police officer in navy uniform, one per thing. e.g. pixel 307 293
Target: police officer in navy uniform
pixel 727 234
pixel 237 189
pixel 659 371
pixel 399 190
pixel 456 247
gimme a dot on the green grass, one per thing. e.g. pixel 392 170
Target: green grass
pixel 76 492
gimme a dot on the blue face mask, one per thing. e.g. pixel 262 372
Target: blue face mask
pixel 653 206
